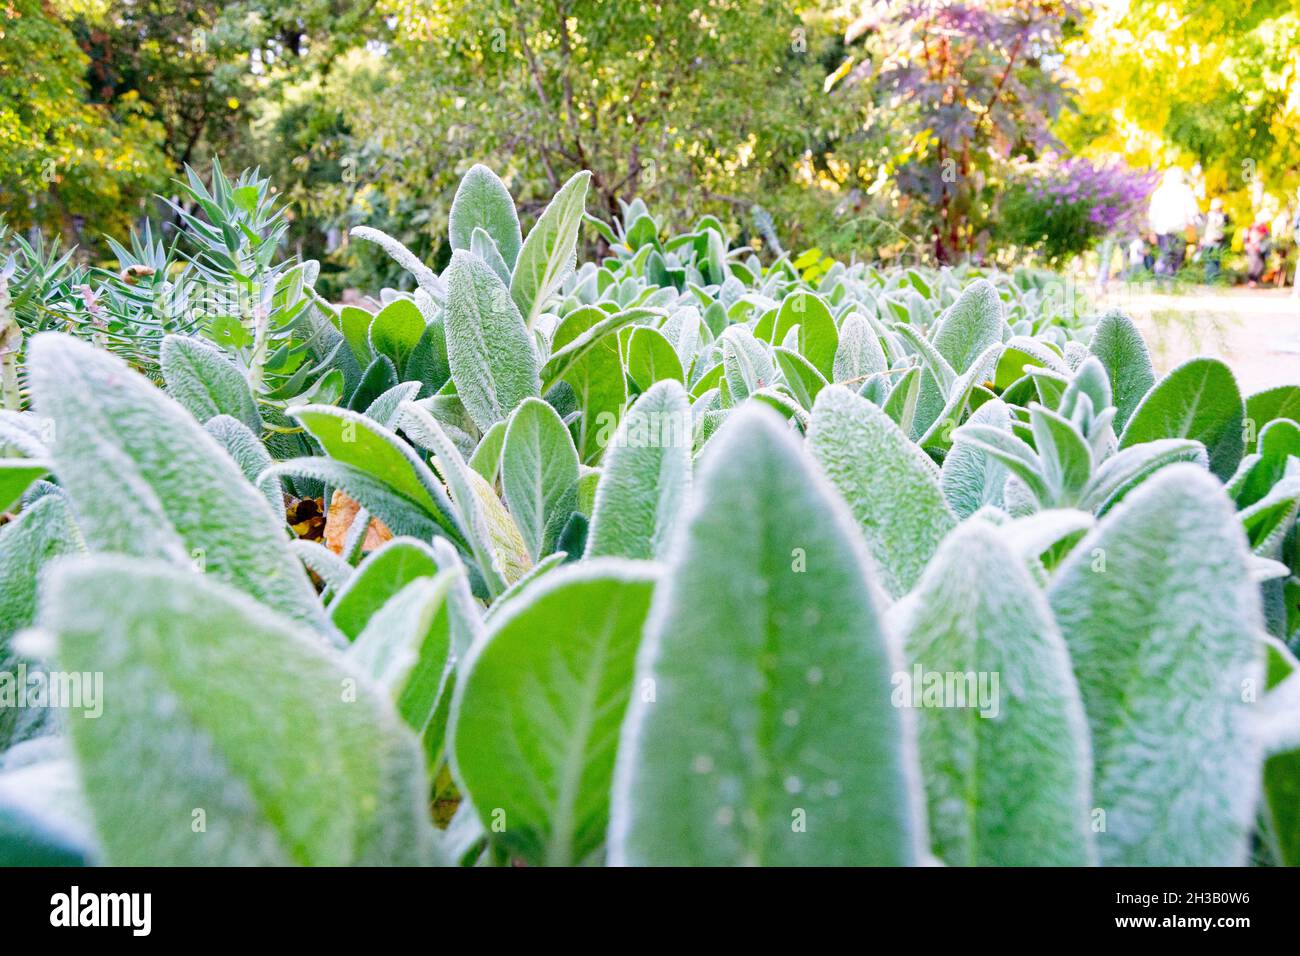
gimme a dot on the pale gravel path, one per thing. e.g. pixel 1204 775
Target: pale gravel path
pixel 1256 331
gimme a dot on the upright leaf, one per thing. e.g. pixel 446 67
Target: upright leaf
pixel 761 730
pixel 1161 616
pixel 890 485
pixel 547 255
pixel 1200 400
pixel 970 326
pixel 316 769
pixel 539 475
pixel 483 202
pixel 147 480
pixel 1119 345
pixel 535 719
pixel 646 478
pixel 1005 759
pixel 207 383
pixel 493 361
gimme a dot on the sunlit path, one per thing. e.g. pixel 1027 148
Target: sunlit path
pixel 1256 331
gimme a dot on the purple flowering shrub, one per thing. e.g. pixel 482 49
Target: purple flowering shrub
pixel 1062 209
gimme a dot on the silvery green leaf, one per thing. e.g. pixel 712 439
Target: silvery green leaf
pixel 382 573
pixel 322 562
pixel 404 257
pixel 1003 740
pixel 481 245
pixel 1119 345
pixel 970 477
pixel 539 475
pixel 747 363
pixel 1282 402
pixel 147 480
pixel 890 485
pixel 354 440
pixel 1160 613
pixel 1066 457
pixel 1128 468
pixel 249 454
pixel 395 332
pixel 45 530
pixel 493 361
pixel 405 645
pixel 646 477
pixel 1200 400
pixel 547 255
pixel 483 202
pixel 206 382
pixel 970 325
pixel 760 729
pixel 651 358
pixel 537 709
pixel 858 354
pixel 317 770
pixel 804 381
pixel 486 459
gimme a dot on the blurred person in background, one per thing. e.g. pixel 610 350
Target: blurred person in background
pixel 1137 254
pixel 1257 249
pixel 1173 211
pixel 1213 240
pixel 1295 238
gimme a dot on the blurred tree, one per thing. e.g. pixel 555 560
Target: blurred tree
pixel 955 89
pixel 691 106
pixel 1209 82
pixel 69 161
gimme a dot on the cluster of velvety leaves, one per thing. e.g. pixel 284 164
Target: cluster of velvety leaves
pixel 668 530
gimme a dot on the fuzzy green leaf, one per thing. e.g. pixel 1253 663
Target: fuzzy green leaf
pixel 539 475
pixel 316 770
pixel 891 487
pixel 547 255
pixel 483 202
pixel 646 477
pixel 1160 613
pixel 1006 763
pixel 146 479
pixel 537 711
pixel 761 730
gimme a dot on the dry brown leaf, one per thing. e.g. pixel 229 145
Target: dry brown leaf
pixel 343 510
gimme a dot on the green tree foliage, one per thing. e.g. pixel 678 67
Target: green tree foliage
pixel 1193 81
pixel 69 159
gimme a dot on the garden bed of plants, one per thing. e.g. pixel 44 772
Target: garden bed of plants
pixel 695 553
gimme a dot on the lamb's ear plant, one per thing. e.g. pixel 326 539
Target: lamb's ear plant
pixel 547 255
pixel 147 480
pixel 671 535
pixel 1162 619
pixel 1121 349
pixel 1198 400
pixel 482 202
pixel 763 681
pixel 646 478
pixel 559 662
pixel 977 610
pixel 492 357
pixel 891 487
pixel 165 750
pixel 539 475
